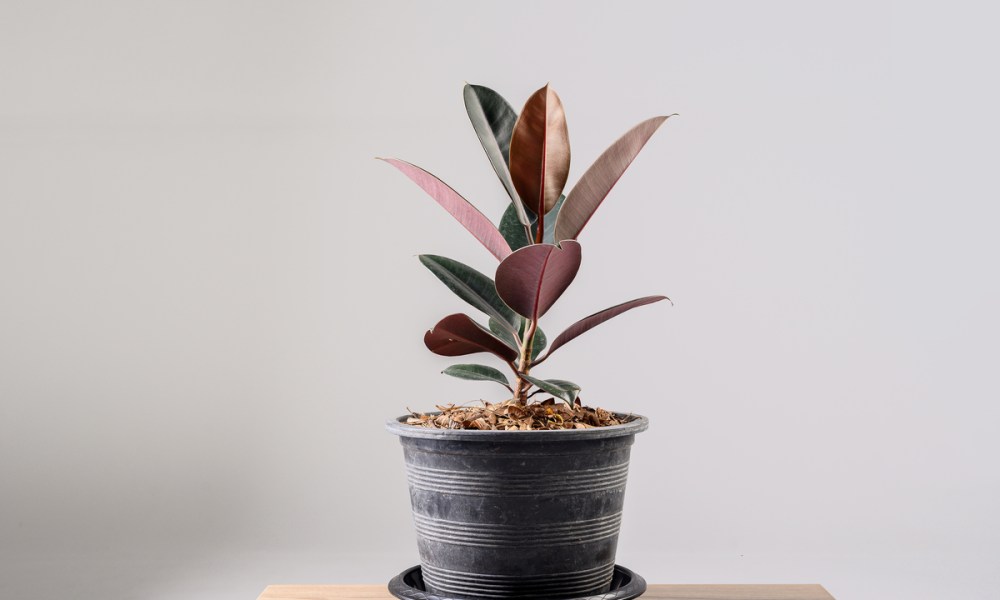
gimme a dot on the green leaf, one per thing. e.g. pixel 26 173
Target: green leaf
pixel 539 343
pixel 549 234
pixel 501 332
pixel 512 230
pixel 493 119
pixel 564 384
pixel 478 373
pixel 505 334
pixel 473 287
pixel 560 388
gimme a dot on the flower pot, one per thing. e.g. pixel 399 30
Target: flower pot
pixel 517 514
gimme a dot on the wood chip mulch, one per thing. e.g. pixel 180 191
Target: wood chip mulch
pixel 510 415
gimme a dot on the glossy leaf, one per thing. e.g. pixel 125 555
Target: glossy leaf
pixel 465 213
pixel 539 343
pixel 587 323
pixel 478 373
pixel 493 119
pixel 511 338
pixel 473 287
pixel 560 388
pixel 450 347
pixel 539 151
pixel 512 230
pixel 549 226
pixel 458 335
pixel 504 334
pixel 515 233
pixel 593 187
pixel 531 279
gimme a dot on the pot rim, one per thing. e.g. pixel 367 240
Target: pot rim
pixel 399 427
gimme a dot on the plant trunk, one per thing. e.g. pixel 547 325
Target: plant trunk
pixel 521 386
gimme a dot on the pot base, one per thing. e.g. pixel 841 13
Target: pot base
pixel 409 585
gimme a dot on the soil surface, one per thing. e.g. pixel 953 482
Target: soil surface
pixel 510 415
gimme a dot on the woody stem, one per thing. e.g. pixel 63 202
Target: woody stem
pixel 521 386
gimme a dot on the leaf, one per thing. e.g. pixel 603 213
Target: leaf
pixel 594 185
pixel 539 344
pixel 465 213
pixel 587 323
pixel 560 388
pixel 493 119
pixel 478 373
pixel 515 233
pixel 511 338
pixel 472 286
pixel 539 151
pixel 449 347
pixel 504 334
pixel 549 227
pixel 512 229
pixel 531 279
pixel 458 335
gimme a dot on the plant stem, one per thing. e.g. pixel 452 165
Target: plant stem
pixel 524 363
pixel 518 384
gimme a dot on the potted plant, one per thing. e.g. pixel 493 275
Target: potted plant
pixel 522 497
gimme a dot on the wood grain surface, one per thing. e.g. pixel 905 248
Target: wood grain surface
pixel 655 592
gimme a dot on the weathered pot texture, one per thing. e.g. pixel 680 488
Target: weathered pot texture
pixel 517 514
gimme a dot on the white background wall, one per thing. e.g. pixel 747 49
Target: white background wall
pixel 210 301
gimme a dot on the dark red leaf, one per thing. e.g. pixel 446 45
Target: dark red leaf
pixel 531 279
pixel 458 335
pixel 587 323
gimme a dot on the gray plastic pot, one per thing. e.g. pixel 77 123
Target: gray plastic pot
pixel 517 514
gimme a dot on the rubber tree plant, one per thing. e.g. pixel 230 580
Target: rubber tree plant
pixel 535 242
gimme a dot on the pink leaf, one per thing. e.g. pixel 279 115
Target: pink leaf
pixel 468 215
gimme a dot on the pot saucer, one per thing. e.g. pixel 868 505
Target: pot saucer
pixel 409 585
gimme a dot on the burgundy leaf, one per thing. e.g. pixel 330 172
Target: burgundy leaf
pixel 587 323
pixel 539 152
pixel 594 185
pixel 460 208
pixel 531 279
pixel 458 335
pixel 444 346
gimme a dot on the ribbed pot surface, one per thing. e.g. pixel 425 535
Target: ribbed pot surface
pixel 517 514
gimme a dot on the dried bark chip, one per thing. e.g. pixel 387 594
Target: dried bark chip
pixel 508 415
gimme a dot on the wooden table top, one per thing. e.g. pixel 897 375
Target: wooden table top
pixel 655 592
